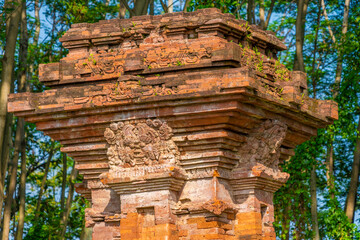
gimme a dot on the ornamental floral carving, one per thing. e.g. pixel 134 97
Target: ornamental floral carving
pixel 158 58
pixel 263 144
pixel 101 64
pixel 140 142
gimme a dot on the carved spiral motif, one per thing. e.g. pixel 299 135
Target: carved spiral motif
pixel 139 143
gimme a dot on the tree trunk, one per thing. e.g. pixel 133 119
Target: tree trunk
pixel 152 7
pixel 286 223
pixel 337 44
pixel 300 30
pixel 22 190
pixel 303 20
pixel 19 135
pixel 299 222
pixel 43 182
pixel 314 75
pixel 86 233
pixel 354 182
pixel 7 145
pixel 140 7
pixel 251 12
pixel 66 214
pixel 63 185
pixel 170 6
pixel 35 39
pixel 164 6
pixel 5 156
pixel 122 11
pixel 262 14
pixel 50 51
pixel 12 180
pixel 272 4
pixel 8 61
pixel 330 169
pixel 314 216
pixel 23 71
pixel 336 88
pixel 186 5
pixel 313 187
pixel 340 48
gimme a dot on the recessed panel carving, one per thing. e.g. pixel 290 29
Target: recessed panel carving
pixel 140 142
pixel 263 144
pixel 158 58
pixel 103 63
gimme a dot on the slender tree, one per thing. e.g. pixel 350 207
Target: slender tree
pixel 170 5
pixel 335 90
pixel 34 45
pixel 8 61
pixel 314 205
pixel 22 87
pixel 5 89
pixel 354 181
pixel 43 183
pixel 300 33
pixel 268 16
pixel 251 11
pixel 63 184
pixel 12 179
pixel 262 14
pixel 140 7
pixel 65 217
pixel 313 177
pixel 186 5
pixel 122 10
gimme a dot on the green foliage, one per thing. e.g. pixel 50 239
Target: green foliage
pixel 226 6
pixel 55 18
pixel 38 148
pixel 281 73
pixel 83 10
pixel 335 223
pixel 321 70
pixel 292 202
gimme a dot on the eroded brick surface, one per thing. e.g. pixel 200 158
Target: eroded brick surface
pixel 177 122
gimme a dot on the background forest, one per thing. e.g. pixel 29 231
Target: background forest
pixel 321 199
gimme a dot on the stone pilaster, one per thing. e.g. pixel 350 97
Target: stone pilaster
pixel 177 122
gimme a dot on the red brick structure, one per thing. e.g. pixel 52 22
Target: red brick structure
pixel 177 122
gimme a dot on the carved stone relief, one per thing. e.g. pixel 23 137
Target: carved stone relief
pixel 126 90
pixel 168 58
pixel 217 206
pixel 140 142
pixel 101 65
pixel 263 144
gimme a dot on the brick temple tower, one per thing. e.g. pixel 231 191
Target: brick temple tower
pixel 177 122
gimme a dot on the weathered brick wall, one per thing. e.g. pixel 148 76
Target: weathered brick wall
pixel 177 122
